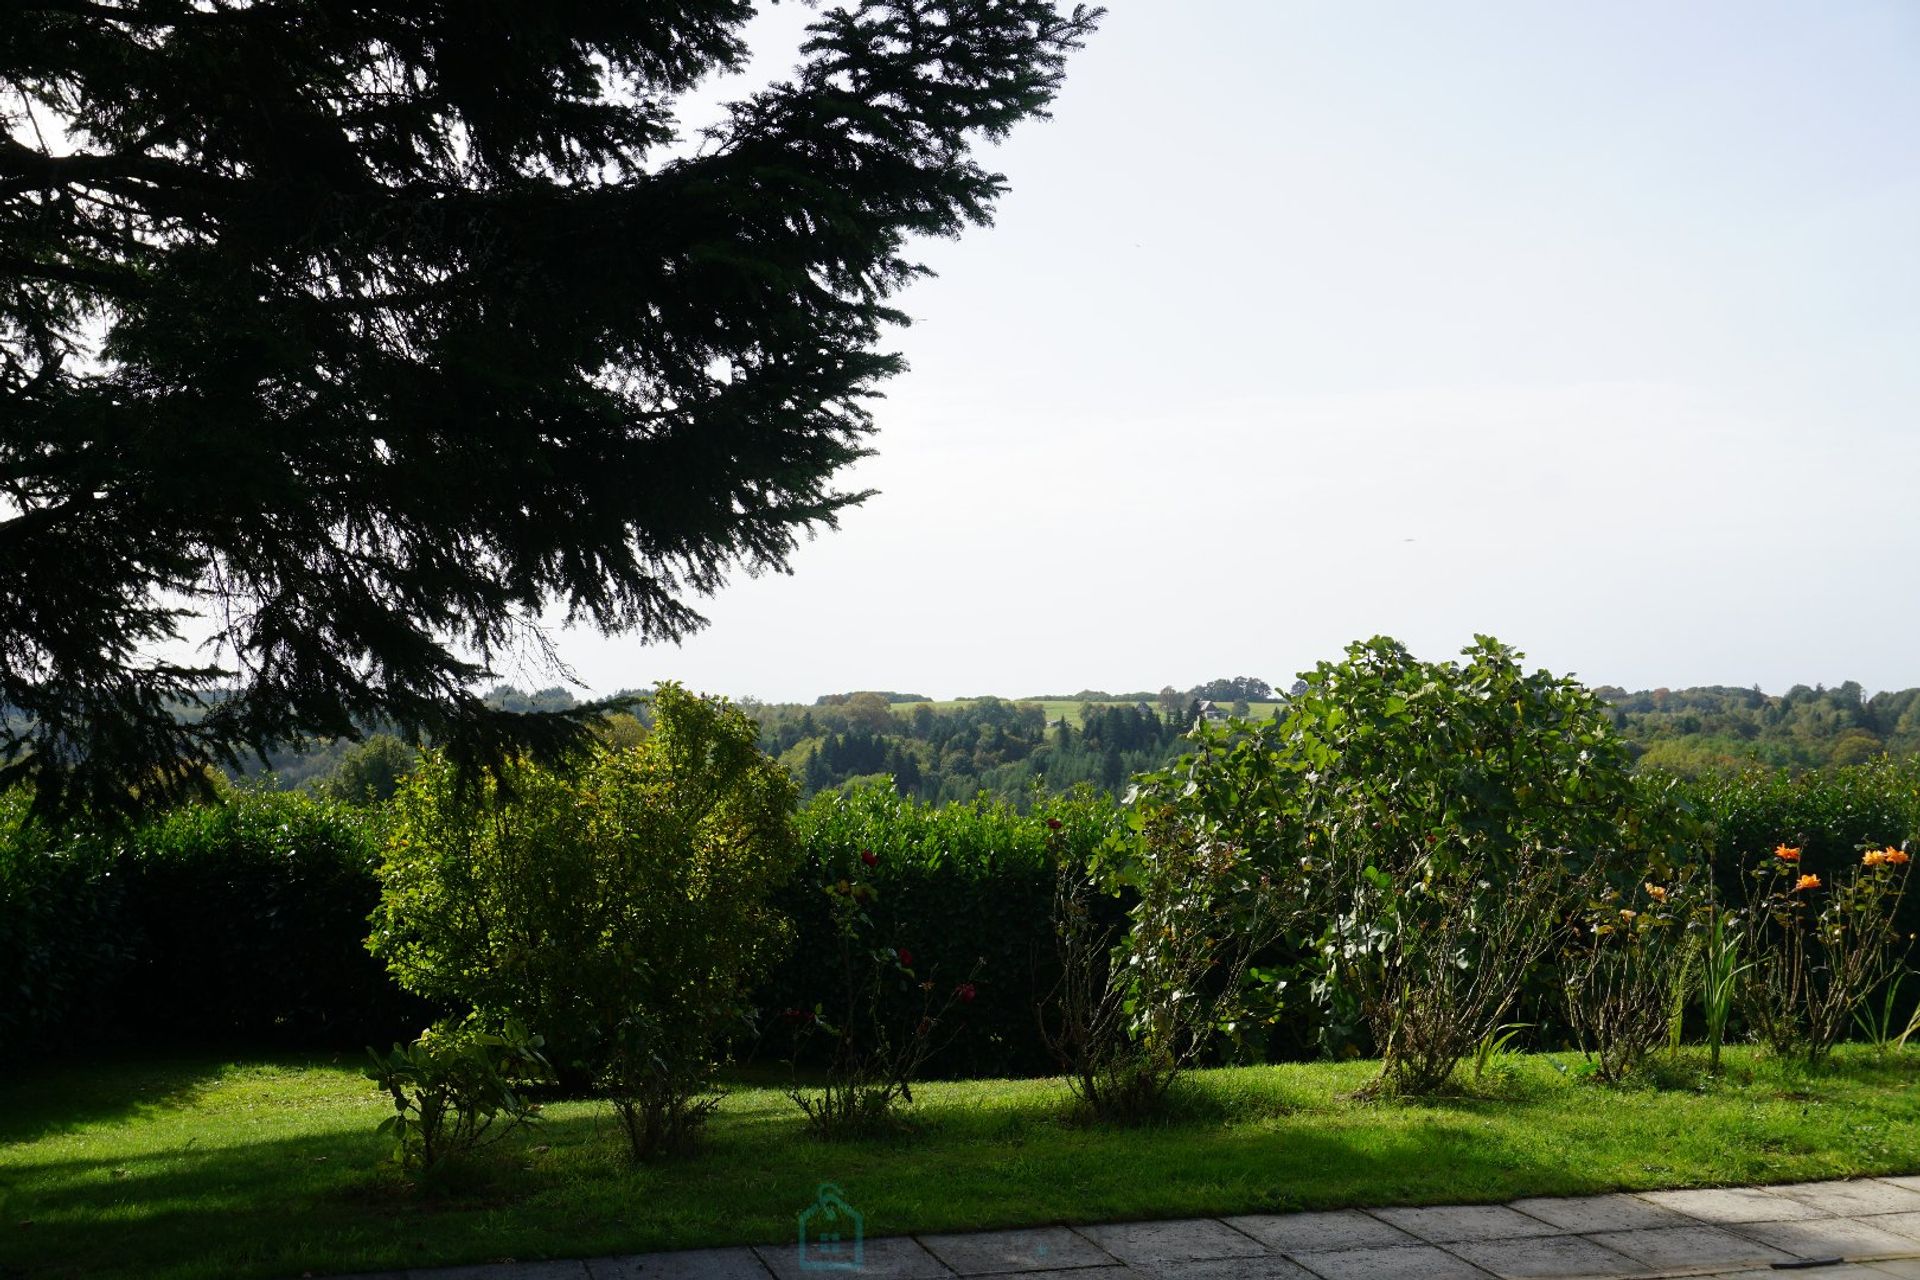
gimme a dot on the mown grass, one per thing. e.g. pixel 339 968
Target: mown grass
pixel 270 1168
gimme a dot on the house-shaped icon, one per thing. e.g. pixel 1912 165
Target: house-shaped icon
pixel 832 1233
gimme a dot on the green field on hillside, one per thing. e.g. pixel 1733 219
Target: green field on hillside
pixel 1057 708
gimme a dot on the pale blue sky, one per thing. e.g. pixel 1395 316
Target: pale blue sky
pixel 1594 326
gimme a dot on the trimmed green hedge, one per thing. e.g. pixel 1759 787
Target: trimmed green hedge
pixel 246 921
pixel 1829 814
pixel 61 942
pixel 966 888
pixel 241 921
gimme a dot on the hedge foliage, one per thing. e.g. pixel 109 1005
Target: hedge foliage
pixel 243 921
pixel 247 920
pixel 1829 814
pixel 966 888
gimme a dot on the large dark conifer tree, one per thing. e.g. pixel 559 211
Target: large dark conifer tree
pixel 368 331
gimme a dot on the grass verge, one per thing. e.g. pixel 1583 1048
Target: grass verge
pixel 184 1168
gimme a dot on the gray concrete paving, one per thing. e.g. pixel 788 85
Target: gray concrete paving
pixel 1857 1229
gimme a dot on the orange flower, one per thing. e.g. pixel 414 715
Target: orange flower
pixel 1807 882
pixel 1786 853
pixel 1894 857
pixel 1873 857
pixel 1657 893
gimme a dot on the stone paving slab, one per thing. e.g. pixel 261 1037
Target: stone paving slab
pixel 1843 1271
pixel 1599 1213
pixel 1183 1240
pixel 1693 1248
pixel 681 1264
pixel 1445 1224
pixel 981 1253
pixel 1265 1266
pixel 1319 1232
pixel 1850 1238
pixel 571 1269
pixel 1544 1257
pixel 1392 1262
pixel 1869 1226
pixel 1725 1205
pixel 886 1258
pixel 1853 1198
pixel 1112 1271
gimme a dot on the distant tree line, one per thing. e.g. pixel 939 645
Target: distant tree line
pixel 953 753
pixel 1011 749
pixel 1693 731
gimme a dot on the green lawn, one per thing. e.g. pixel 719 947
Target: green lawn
pixel 270 1168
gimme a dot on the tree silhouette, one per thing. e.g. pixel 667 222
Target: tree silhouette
pixel 367 334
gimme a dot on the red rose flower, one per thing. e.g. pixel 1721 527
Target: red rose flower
pixel 867 856
pixel 1053 824
pixel 965 992
pixel 906 956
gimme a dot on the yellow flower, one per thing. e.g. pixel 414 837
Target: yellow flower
pixel 1786 853
pixel 1657 893
pixel 1873 857
pixel 1807 882
pixel 1627 915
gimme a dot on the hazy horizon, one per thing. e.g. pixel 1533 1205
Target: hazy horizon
pixel 1591 328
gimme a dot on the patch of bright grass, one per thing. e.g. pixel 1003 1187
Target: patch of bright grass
pixel 271 1168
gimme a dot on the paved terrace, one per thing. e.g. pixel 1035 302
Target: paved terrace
pixel 1863 1229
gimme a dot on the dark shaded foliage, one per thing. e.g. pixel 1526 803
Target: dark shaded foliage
pixel 370 332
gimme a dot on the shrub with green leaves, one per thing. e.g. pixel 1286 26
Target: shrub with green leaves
pixel 621 909
pixel 457 1088
pixel 1135 1008
pixel 1448 815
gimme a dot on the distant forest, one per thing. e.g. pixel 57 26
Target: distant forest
pixel 1008 747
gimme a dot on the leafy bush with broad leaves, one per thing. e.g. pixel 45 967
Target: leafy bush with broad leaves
pixel 622 910
pixel 1135 1008
pixel 456 1088
pixel 1447 816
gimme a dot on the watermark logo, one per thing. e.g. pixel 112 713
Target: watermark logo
pixel 832 1233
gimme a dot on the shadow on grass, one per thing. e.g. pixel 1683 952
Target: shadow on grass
pixel 68 1097
pixel 329 1202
